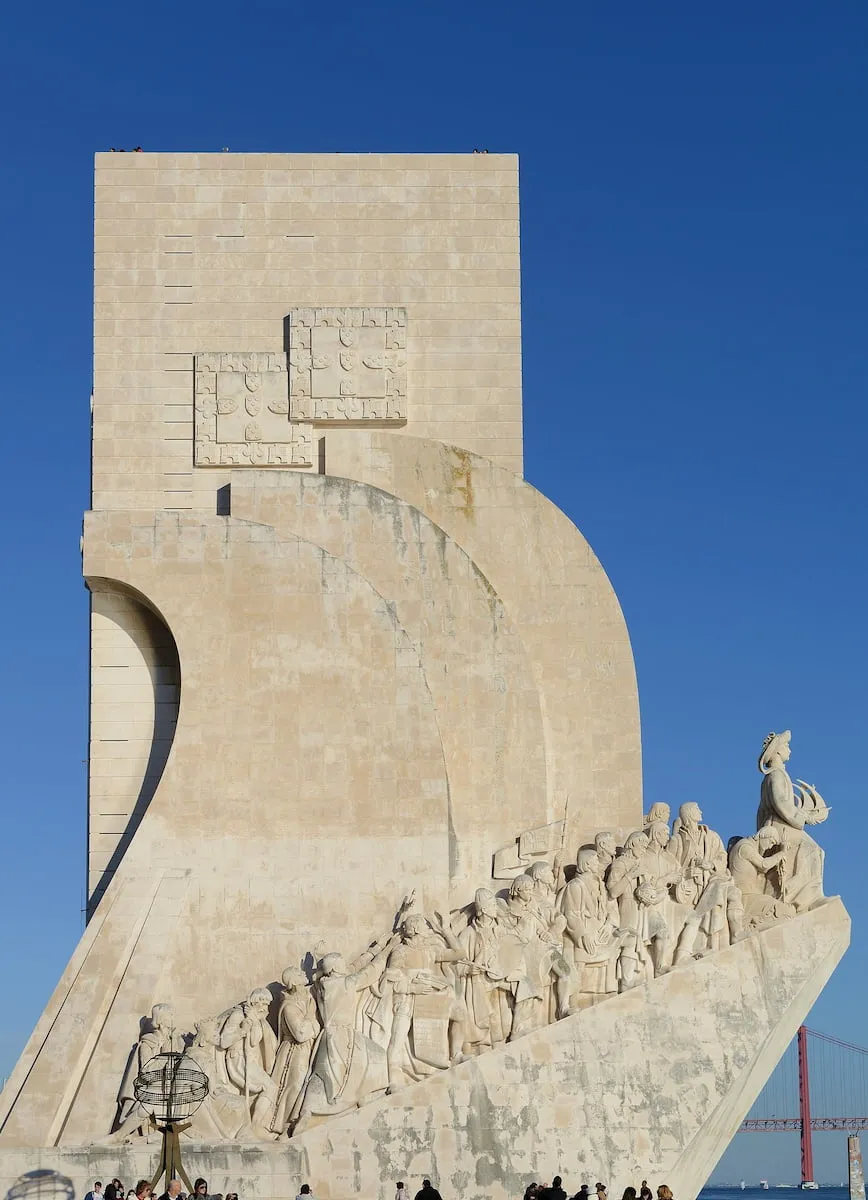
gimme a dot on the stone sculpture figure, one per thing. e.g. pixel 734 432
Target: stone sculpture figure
pixel 755 866
pixel 789 809
pixel 659 811
pixel 603 954
pixel 425 1004
pixel 485 988
pixel 606 848
pixel 658 872
pixel 533 958
pixel 250 1046
pixel 347 1066
pixel 545 889
pixel 297 1030
pixel 623 879
pixel 224 1114
pixel 160 1038
pixel 716 917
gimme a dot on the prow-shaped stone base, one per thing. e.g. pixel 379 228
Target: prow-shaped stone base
pixel 651 1084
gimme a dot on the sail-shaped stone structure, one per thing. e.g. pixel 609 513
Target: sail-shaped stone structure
pixel 365 805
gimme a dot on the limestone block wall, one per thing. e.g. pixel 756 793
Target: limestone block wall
pixel 199 253
pixel 136 688
pixel 209 252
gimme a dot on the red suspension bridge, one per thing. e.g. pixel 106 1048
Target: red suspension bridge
pixel 818 1078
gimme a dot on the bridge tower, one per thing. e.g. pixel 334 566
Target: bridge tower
pixel 805 1108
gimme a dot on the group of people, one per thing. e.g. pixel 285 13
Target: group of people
pixel 556 1191
pixel 174 1191
pixel 434 991
pixel 143 1191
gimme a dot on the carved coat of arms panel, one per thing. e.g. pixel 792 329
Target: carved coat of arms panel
pixel 348 364
pixel 241 406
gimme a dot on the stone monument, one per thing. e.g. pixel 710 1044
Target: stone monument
pixel 366 833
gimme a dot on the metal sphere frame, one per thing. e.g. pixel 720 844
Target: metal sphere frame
pixel 170 1088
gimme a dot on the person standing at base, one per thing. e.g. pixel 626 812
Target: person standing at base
pixel 400 1192
pixel 173 1191
pixel 664 1192
pixel 645 1192
pixel 427 1192
pixel 555 1192
pixel 304 1192
pixel 630 1193
pixel 582 1193
pixel 602 1194
pixel 96 1193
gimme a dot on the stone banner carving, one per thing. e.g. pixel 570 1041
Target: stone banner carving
pixel 348 364
pixel 433 991
pixel 241 413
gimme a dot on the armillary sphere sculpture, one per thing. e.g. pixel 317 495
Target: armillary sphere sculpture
pixel 170 1088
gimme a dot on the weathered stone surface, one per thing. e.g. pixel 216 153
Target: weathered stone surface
pixel 555 590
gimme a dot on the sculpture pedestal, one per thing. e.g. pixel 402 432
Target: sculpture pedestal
pixel 650 1084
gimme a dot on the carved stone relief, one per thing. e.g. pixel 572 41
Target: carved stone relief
pixel 241 413
pixel 434 991
pixel 348 364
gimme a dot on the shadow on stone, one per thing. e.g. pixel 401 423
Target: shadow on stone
pixel 41 1185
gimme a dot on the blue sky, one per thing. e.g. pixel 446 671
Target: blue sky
pixel 694 254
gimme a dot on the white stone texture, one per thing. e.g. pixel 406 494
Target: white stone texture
pixel 563 605
pixel 485 697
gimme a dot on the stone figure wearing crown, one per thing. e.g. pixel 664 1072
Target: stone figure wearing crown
pixel 787 808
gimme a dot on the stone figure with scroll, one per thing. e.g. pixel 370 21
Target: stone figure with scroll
pixel 428 1018
pixel 485 989
pixel 789 808
pixel 297 1030
pixel 604 955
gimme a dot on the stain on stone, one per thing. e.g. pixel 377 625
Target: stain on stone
pixel 460 479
